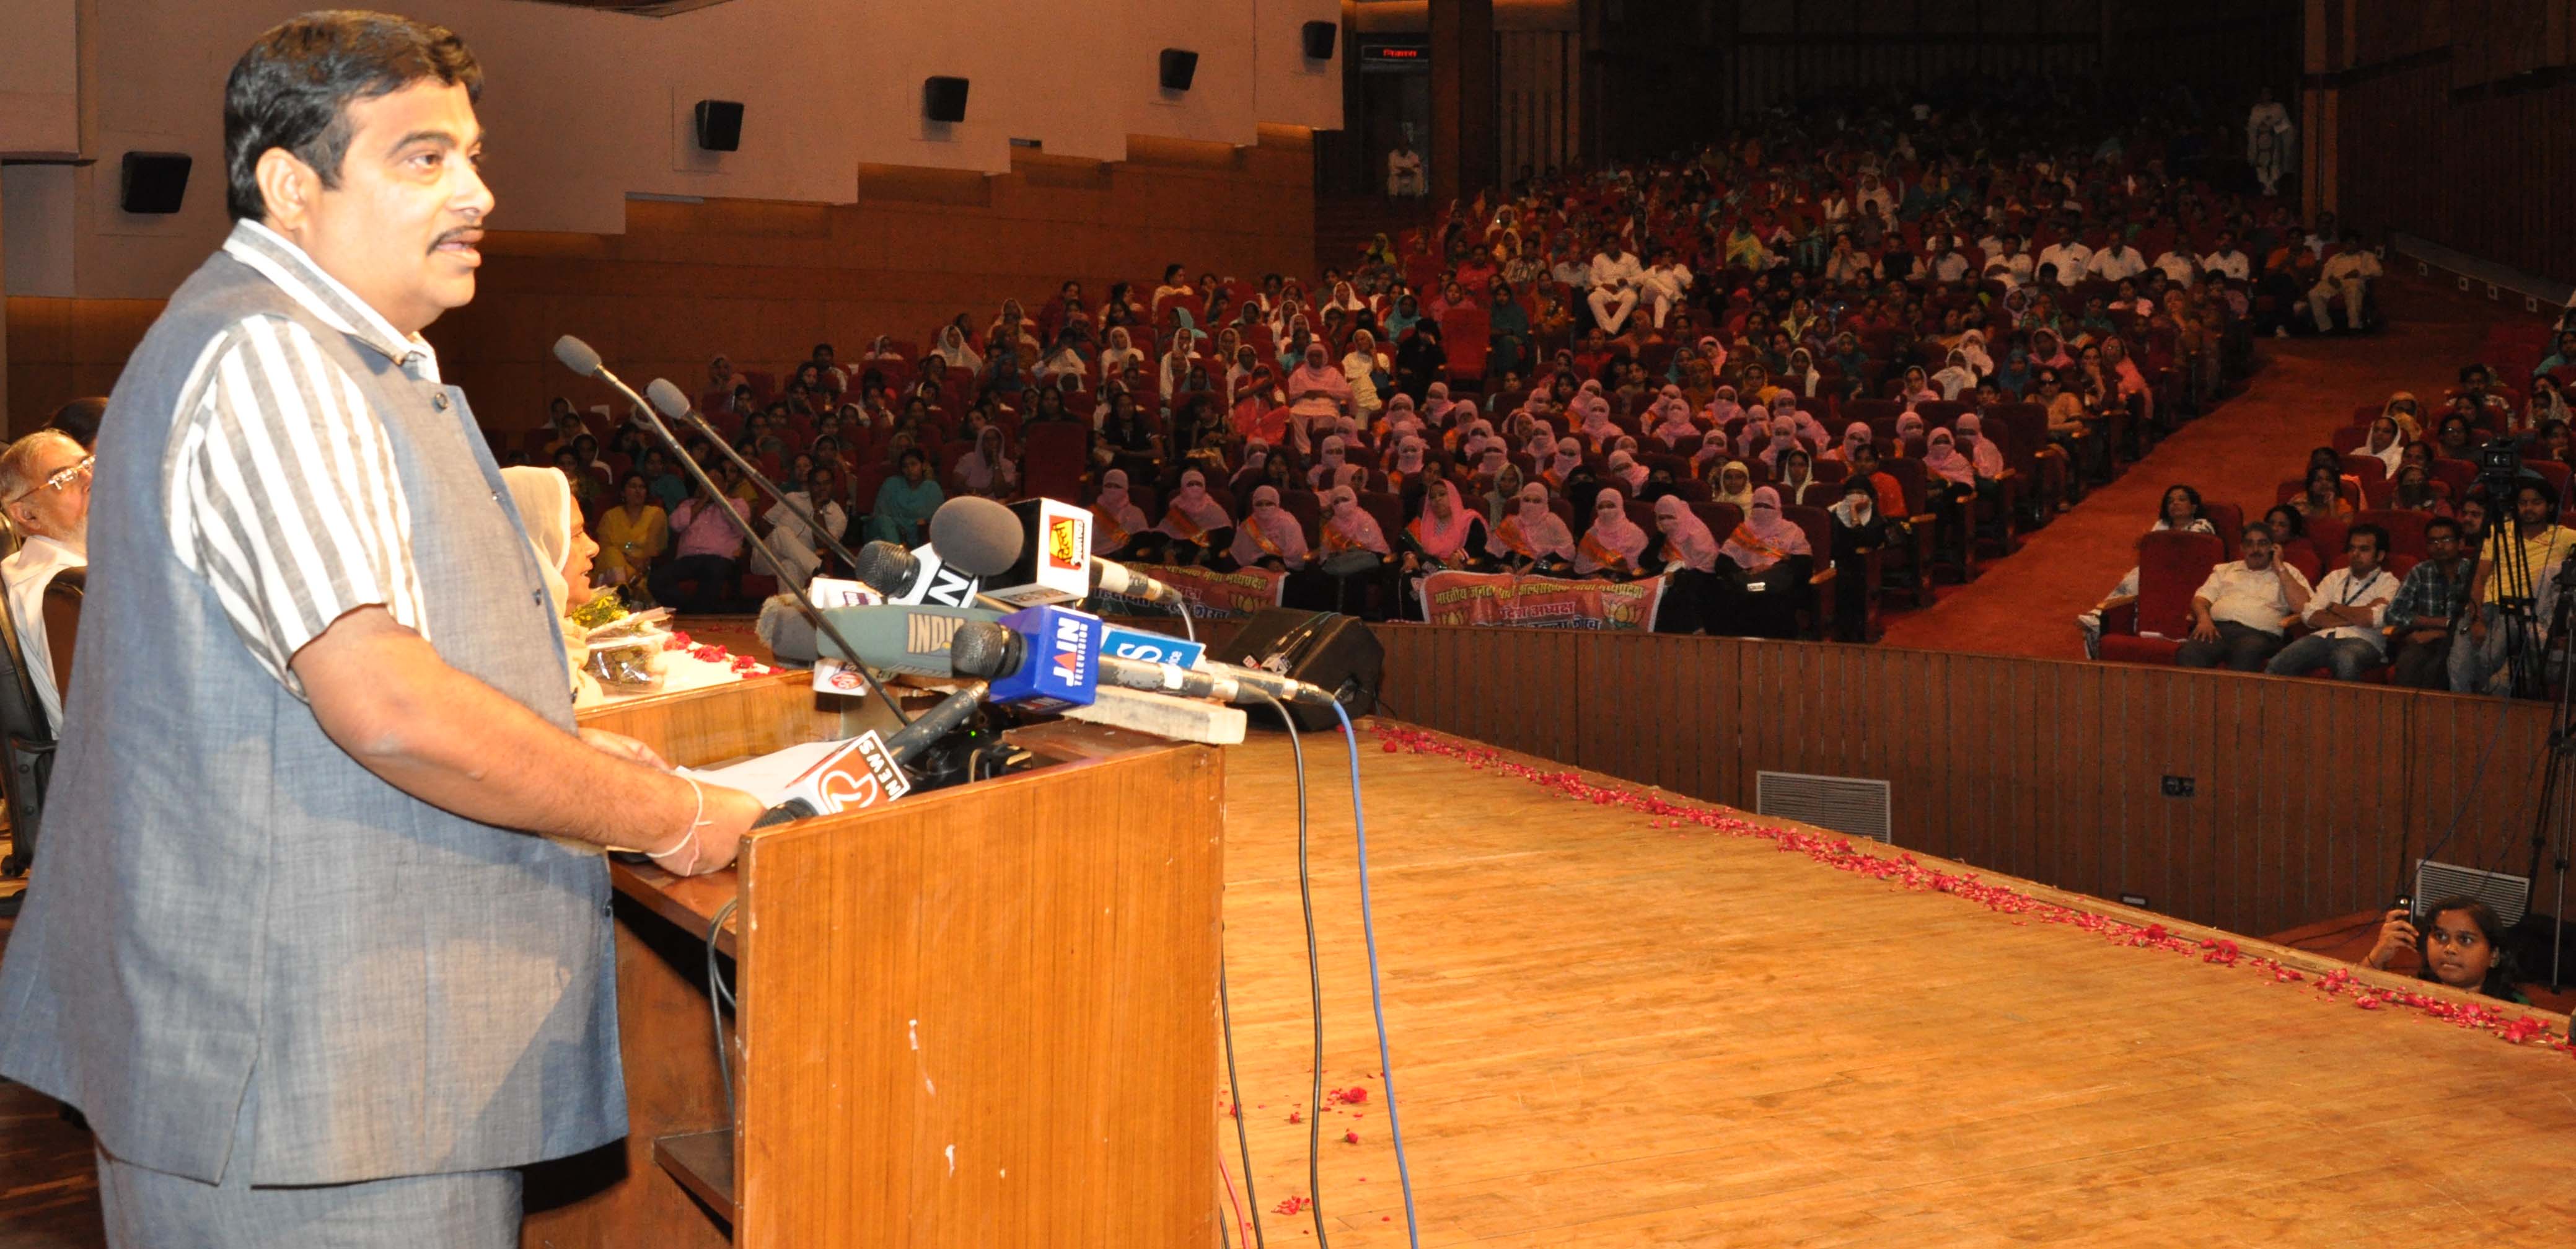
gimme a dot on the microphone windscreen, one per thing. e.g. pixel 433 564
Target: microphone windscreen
pixel 976 536
pixel 885 567
pixel 577 355
pixel 979 649
pixel 666 398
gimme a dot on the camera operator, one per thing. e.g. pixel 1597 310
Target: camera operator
pixel 2514 588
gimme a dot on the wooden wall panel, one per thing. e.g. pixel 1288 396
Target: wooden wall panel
pixel 2310 798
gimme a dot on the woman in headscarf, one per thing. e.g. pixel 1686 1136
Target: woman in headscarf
pixel 1197 524
pixel 1412 465
pixel 1672 419
pixel 1502 493
pixel 1764 567
pixel 1119 529
pixel 1120 353
pixel 987 471
pixel 1532 539
pixel 1363 369
pixel 1436 405
pixel 1562 464
pixel 1399 420
pixel 1723 409
pixel 1627 473
pixel 564 552
pixel 1909 433
pixel 2387 443
pixel 1972 346
pixel 1955 377
pixel 1952 479
pixel 1985 458
pixel 1858 530
pixel 1798 485
pixel 1592 415
pixel 1785 413
pixel 1855 436
pixel 1783 440
pixel 1332 465
pixel 2416 491
pixel 1354 549
pixel 1801 376
pixel 1614 548
pixel 1447 534
pixel 1508 333
pixel 1686 553
pixel 1733 485
pixel 1317 391
pixel 1269 536
pixel 2323 498
pixel 956 351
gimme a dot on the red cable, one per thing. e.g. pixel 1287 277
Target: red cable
pixel 1241 1228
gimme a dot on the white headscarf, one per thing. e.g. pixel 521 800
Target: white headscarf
pixel 545 505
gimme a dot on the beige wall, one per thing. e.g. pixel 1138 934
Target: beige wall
pixel 584 107
pixel 763 281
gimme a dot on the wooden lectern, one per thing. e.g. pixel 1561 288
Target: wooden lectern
pixel 982 1016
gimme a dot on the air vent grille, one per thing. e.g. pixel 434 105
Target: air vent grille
pixel 2507 896
pixel 1844 804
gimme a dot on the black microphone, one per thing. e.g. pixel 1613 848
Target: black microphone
pixel 996 651
pixel 938 722
pixel 578 356
pixel 671 403
pixel 914 575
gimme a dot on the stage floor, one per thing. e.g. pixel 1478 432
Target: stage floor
pixel 1612 1032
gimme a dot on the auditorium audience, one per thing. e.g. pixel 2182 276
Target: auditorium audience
pixel 44 489
pixel 2345 613
pixel 632 534
pixel 707 556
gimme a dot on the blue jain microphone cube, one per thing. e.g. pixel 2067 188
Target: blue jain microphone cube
pixel 1060 660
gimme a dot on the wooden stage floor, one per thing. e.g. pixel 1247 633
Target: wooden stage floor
pixel 1612 1033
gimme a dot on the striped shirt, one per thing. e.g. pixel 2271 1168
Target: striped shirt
pixel 282 489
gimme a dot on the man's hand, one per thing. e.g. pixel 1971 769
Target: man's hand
pixel 2204 629
pixel 2421 636
pixel 729 814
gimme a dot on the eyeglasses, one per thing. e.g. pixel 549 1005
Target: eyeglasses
pixel 60 479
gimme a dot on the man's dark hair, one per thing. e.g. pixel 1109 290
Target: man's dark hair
pixel 2441 522
pixel 2258 530
pixel 293 89
pixel 79 419
pixel 2376 533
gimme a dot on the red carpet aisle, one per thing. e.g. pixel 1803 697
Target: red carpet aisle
pixel 2239 452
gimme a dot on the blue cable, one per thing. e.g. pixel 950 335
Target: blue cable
pixel 1377 996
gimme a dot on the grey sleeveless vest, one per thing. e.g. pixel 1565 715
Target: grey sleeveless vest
pixel 225 899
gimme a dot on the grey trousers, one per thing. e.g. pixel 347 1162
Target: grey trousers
pixel 147 1209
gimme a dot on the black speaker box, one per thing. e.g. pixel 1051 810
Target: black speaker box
pixel 943 99
pixel 153 182
pixel 720 125
pixel 1319 40
pixel 1322 648
pixel 1180 65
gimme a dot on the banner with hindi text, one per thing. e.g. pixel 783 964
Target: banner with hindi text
pixel 1477 598
pixel 1212 595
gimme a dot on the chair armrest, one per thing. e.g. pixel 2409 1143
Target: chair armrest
pixel 1824 577
pixel 2121 619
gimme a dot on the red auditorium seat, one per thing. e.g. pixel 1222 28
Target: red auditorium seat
pixel 1466 334
pixel 2405 529
pixel 2229 520
pixel 1053 459
pixel 2171 567
pixel 1819 526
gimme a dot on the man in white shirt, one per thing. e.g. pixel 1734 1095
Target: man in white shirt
pixel 1569 270
pixel 1664 283
pixel 2227 259
pixel 2011 263
pixel 2116 262
pixel 1952 265
pixel 2345 611
pixel 2178 264
pixel 2346 273
pixel 2070 256
pixel 2240 614
pixel 1615 275
pixel 44 485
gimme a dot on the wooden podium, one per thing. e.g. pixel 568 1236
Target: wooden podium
pixel 982 1016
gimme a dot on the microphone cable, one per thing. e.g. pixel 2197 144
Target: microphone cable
pixel 720 996
pixel 1314 984
pixel 1377 996
pixel 1234 1094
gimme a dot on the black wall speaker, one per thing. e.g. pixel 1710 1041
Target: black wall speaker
pixel 1180 65
pixel 153 182
pixel 1319 40
pixel 720 125
pixel 1334 651
pixel 943 99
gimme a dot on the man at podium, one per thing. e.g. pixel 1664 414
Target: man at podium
pixel 319 936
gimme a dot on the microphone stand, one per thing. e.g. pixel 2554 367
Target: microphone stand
pixel 689 413
pixel 822 623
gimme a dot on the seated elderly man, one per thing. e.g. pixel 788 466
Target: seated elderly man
pixel 2240 616
pixel 44 488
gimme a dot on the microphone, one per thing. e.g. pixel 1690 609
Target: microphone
pixel 671 403
pixel 938 722
pixel 1030 553
pixel 1111 577
pixel 1038 658
pixel 899 637
pixel 578 356
pixel 1000 652
pixel 916 575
